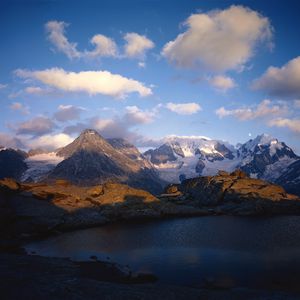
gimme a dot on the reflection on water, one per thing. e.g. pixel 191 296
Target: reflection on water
pixel 253 252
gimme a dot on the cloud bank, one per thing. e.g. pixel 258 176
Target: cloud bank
pixel 263 109
pixel 184 108
pixel 219 40
pixel 136 45
pixel 90 82
pixel 281 82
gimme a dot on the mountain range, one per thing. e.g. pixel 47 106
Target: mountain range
pixel 91 159
pixel 264 157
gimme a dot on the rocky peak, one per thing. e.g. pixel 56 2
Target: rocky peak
pixel 89 140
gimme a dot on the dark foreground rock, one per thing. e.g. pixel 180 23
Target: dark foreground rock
pixel 34 277
pixel 235 194
pixel 39 209
pixel 34 210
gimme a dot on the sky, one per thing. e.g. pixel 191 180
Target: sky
pixel 146 69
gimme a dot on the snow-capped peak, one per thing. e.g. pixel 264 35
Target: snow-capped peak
pixel 186 137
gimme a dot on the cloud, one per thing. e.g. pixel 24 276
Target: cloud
pixel 50 141
pixel 219 40
pixel 67 113
pixel 184 108
pixel 281 82
pixel 91 82
pixel 2 86
pixel 263 109
pixel 38 91
pixel 291 124
pixel 104 46
pixel 137 45
pixel 6 140
pixel 297 103
pixel 20 107
pixel 120 126
pixel 37 126
pixel 222 83
pixel 56 35
pixel 134 116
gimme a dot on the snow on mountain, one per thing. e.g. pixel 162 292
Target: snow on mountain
pixel 186 157
pixel 40 165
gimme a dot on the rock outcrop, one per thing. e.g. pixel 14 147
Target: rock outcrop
pixel 235 193
pixel 45 207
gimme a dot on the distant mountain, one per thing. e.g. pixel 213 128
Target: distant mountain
pixel 90 159
pixel 37 151
pixel 12 163
pixel 187 157
pixel 290 178
pixel 265 157
pixel 130 151
pixel 181 157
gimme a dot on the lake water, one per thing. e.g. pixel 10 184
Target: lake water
pixel 235 251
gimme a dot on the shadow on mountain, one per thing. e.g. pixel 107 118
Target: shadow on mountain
pixel 86 168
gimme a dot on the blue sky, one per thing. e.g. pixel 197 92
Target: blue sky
pixel 142 70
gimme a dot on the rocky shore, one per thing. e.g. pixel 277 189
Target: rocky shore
pixel 29 211
pixel 34 277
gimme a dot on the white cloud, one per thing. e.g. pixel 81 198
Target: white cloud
pixel 50 141
pixel 281 82
pixel 104 46
pixel 91 82
pixel 142 64
pixel 37 126
pixel 263 109
pixel 2 86
pixel 56 35
pixel 291 124
pixel 137 45
pixel 135 115
pixel 67 113
pixel 118 126
pixel 222 83
pixel 184 108
pixel 20 107
pixel 219 40
pixel 36 90
pixel 7 140
pixel 297 103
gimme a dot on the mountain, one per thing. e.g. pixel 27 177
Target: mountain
pixel 181 157
pixel 90 159
pixel 130 151
pixel 37 151
pixel 187 157
pixel 12 163
pixel 265 157
pixel 290 178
